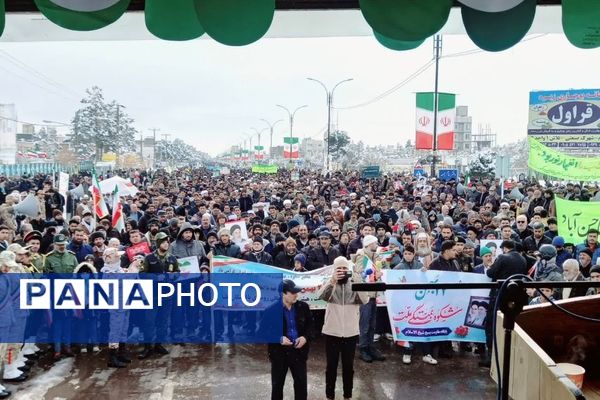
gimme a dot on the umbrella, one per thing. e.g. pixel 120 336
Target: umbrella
pixel 126 188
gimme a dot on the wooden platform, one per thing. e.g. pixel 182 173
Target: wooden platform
pixel 539 343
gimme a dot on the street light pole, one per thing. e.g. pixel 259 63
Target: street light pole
pixel 291 116
pixel 437 50
pixel 271 126
pixel 329 107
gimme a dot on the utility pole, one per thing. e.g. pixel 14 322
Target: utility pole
pixel 437 50
pixel 154 130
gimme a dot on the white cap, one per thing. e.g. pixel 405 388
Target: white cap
pixel 368 240
pixel 287 201
pixel 335 204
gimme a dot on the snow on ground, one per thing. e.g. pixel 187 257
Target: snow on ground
pixel 37 387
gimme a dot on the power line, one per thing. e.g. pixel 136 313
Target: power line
pixel 20 64
pixel 30 82
pixel 414 75
pixel 421 70
pixel 25 122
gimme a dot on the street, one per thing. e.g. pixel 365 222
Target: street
pixel 224 372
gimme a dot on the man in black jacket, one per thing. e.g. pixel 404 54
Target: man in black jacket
pixel 292 350
pixel 506 265
pixel 323 254
pixel 535 241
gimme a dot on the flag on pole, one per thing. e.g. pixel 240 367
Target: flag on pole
pixel 259 152
pixel 118 221
pixel 290 148
pixel 100 209
pixel 445 121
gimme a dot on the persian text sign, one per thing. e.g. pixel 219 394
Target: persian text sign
pixel 563 118
pixel 310 282
pixel 551 162
pixel 437 315
pixel 576 218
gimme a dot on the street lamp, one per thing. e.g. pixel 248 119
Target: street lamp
pixel 329 106
pixel 258 133
pixel 291 116
pixel 271 126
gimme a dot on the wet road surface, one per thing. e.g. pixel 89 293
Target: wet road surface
pixel 226 371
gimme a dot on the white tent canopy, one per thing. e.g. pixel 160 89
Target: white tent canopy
pixel 126 188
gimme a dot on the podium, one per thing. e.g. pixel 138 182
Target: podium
pixel 541 340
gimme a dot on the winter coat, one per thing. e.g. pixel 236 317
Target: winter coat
pixel 531 246
pixel 304 327
pixel 441 264
pixel 547 270
pixel 193 248
pixel 80 251
pixel 284 260
pixel 229 250
pixel 262 258
pixel 415 264
pixel 343 308
pixel 317 257
pixel 584 245
pixel 60 263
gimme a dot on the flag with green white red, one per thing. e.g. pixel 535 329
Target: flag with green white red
pixel 445 121
pixel 291 149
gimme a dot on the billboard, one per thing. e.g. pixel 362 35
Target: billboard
pixel 568 119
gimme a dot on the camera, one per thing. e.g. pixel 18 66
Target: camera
pixel 348 274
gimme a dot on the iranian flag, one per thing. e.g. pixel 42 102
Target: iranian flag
pixel 259 152
pixel 290 148
pixel 118 221
pixel 425 121
pixel 100 208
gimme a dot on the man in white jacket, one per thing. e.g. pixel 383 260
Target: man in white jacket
pixel 341 325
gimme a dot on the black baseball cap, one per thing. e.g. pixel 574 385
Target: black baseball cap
pixel 290 287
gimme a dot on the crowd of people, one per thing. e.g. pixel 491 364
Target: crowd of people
pixel 317 220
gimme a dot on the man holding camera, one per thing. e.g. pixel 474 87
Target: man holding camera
pixel 341 325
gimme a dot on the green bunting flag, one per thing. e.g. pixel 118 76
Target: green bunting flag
pixel 406 20
pixel 497 31
pixel 398 45
pixel 236 22
pixel 2 18
pixel 576 218
pixel 173 19
pixel 581 22
pixel 491 6
pixel 553 163
pixel 82 15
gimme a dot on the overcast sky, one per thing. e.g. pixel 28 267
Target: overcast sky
pixel 209 94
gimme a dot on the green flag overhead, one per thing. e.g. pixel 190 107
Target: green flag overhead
pixel 499 30
pixel 399 45
pixel 581 22
pixel 576 218
pixel 406 20
pixel 2 18
pixel 491 5
pixel 551 162
pixel 173 19
pixel 82 15
pixel 236 22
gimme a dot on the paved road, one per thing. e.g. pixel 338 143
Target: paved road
pixel 224 372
